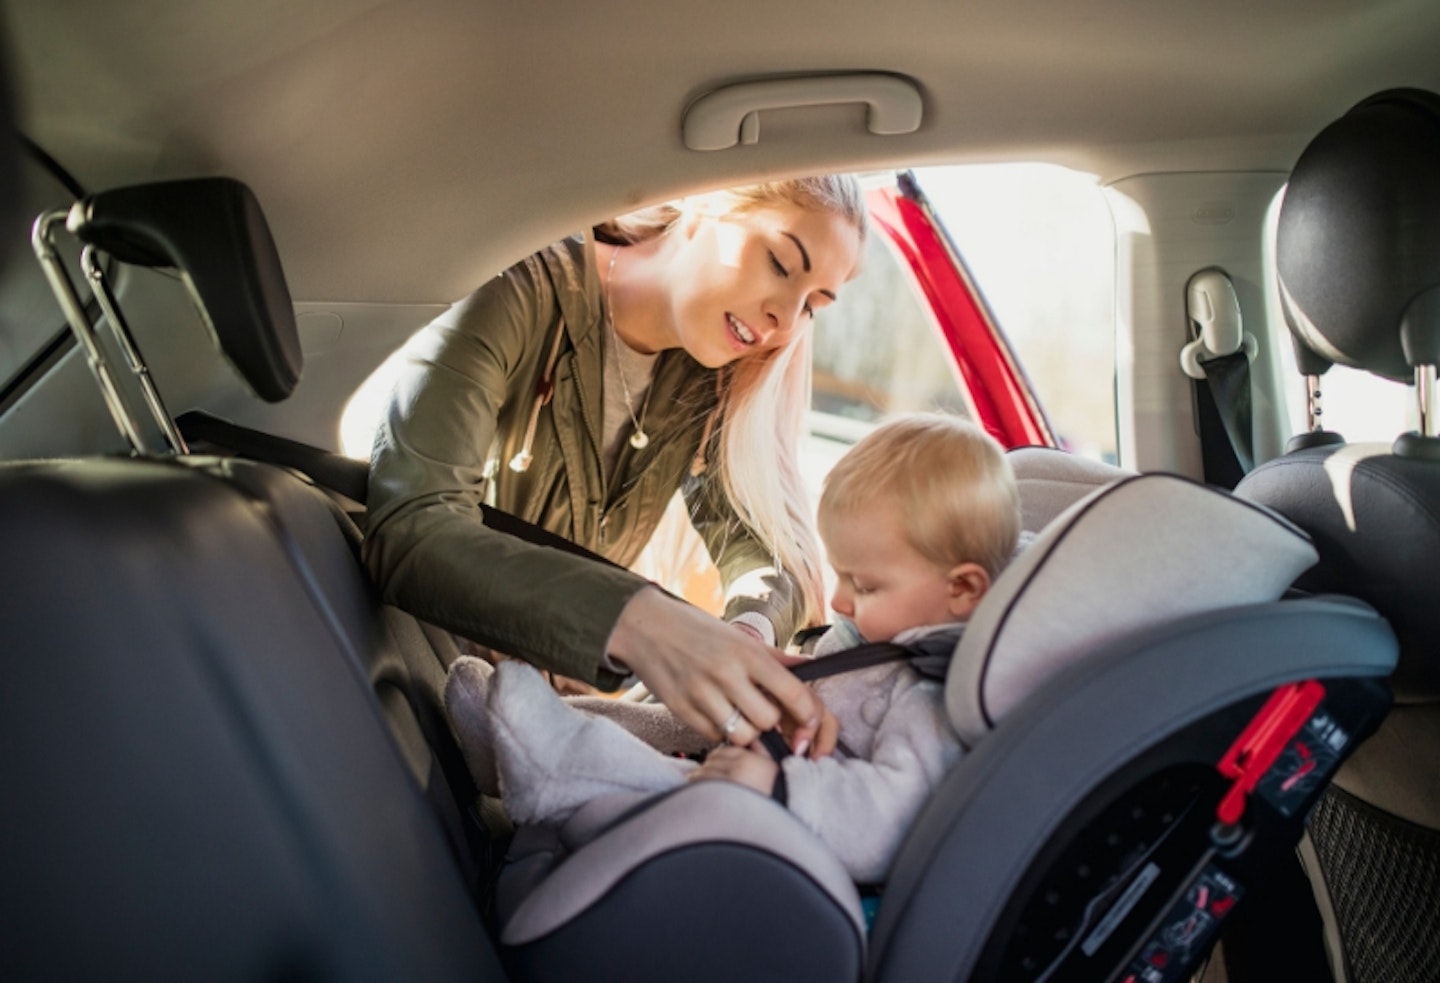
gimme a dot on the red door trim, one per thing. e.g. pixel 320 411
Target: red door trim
pixel 1001 395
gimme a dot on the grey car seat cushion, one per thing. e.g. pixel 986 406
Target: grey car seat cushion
pixel 704 812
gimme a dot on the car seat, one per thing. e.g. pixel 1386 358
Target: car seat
pixel 1147 726
pixel 1358 257
pixel 213 739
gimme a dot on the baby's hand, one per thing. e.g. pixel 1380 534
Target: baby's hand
pixel 752 767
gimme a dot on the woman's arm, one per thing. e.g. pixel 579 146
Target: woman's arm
pixel 704 670
pixel 426 543
pixel 432 554
pixel 752 583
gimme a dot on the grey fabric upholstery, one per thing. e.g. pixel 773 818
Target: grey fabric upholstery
pixel 705 813
pixel 1114 717
pixel 1051 480
pixel 1136 553
pixel 1110 692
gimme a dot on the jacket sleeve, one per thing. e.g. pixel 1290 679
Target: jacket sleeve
pixel 426 543
pixel 751 580
pixel 862 809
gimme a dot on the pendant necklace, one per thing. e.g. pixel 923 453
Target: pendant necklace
pixel 639 439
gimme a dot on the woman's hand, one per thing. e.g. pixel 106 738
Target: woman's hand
pixel 723 683
pixel 752 767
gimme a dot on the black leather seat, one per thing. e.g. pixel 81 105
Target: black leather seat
pixel 1358 251
pixel 218 751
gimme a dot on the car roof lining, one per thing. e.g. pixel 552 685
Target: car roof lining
pixel 387 141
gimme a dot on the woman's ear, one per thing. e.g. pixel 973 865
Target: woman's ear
pixel 968 583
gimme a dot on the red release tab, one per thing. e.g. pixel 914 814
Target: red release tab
pixel 1262 741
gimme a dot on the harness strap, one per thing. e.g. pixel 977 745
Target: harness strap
pixel 850 660
pixel 860 657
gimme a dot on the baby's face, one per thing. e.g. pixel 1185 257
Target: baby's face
pixel 883 584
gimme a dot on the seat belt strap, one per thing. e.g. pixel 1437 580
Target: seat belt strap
pixel 860 657
pixel 1224 409
pixel 345 475
pixel 850 660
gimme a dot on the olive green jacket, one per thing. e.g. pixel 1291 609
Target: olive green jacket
pixel 459 414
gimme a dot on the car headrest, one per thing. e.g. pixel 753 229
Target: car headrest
pixel 213 231
pixel 1358 241
pixel 1051 480
pixel 1133 555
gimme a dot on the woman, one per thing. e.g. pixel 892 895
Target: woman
pixel 580 389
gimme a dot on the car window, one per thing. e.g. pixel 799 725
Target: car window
pixel 1357 405
pixel 1039 243
pixel 876 353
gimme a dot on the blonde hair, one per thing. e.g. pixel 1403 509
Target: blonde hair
pixel 764 399
pixel 951 481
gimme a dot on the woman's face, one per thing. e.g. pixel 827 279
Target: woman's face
pixel 743 283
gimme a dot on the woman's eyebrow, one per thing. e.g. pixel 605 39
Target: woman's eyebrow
pixel 805 259
pixel 804 254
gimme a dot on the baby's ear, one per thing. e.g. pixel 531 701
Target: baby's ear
pixel 968 583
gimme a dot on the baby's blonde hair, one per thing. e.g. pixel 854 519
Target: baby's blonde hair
pixel 951 481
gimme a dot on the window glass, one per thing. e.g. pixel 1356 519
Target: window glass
pixel 1040 244
pixel 877 352
pixel 1357 405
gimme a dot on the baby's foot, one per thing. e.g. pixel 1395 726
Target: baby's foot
pixel 554 758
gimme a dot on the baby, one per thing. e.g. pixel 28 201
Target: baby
pixel 917 519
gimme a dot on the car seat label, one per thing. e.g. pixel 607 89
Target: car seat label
pixel 1187 931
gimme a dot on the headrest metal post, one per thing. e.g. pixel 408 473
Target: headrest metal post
pixel 1425 389
pixel 42 242
pixel 1313 411
pixel 120 330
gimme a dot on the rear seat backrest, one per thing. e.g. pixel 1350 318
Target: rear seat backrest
pixel 214 231
pixel 189 734
pixel 192 762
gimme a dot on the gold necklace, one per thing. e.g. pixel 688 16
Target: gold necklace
pixel 639 439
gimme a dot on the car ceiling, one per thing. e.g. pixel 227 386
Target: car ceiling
pixel 403 147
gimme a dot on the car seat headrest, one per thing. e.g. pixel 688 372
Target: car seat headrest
pixel 1051 480
pixel 213 231
pixel 1358 240
pixel 1133 555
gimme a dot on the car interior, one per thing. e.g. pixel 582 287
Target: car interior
pixel 1198 711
